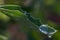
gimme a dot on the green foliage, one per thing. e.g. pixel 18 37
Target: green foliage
pixel 4 17
pixel 14 12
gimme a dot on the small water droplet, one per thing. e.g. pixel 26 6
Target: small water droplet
pixel 49 36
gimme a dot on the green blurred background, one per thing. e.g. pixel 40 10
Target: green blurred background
pixel 46 10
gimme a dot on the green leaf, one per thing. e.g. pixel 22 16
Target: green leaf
pixel 11 7
pixel 14 14
pixel 4 17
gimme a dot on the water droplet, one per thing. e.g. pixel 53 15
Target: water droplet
pixel 49 36
pixel 49 31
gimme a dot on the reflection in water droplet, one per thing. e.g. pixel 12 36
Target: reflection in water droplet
pixel 49 31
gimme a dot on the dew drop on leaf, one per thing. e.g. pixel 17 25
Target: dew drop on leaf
pixel 49 31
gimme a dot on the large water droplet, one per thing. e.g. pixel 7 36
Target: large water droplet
pixel 49 31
